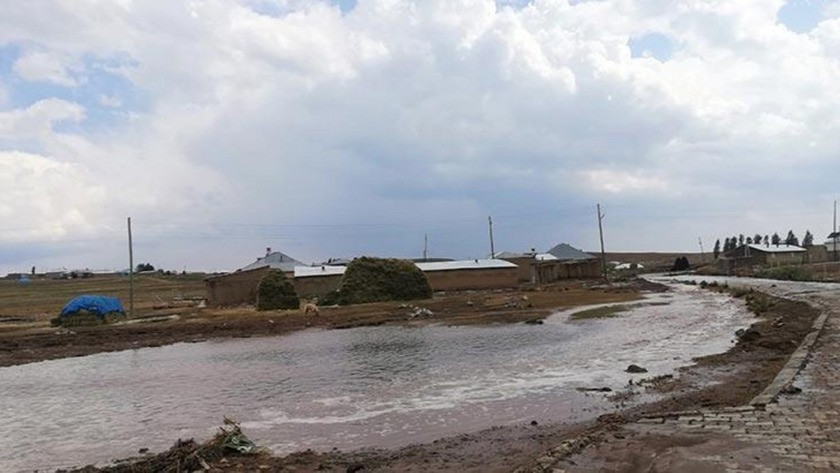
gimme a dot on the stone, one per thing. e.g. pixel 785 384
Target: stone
pixel 635 369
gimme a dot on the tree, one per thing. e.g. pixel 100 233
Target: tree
pixel 808 239
pixel 749 240
pixel 727 245
pixel 766 240
pixel 716 251
pixel 791 239
pixel 681 264
pixel 775 239
pixel 740 239
pixel 144 267
pixel 757 239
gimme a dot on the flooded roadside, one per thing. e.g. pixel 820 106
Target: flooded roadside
pixel 374 386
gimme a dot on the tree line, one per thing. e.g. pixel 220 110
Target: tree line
pixel 730 243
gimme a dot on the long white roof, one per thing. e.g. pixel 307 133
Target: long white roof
pixel 310 271
pixel 777 249
pixel 465 264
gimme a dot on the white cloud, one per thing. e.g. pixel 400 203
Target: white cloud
pixel 38 119
pixel 46 199
pixel 110 101
pixel 456 107
pixel 46 67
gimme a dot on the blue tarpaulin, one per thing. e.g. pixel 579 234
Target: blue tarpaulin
pixel 99 305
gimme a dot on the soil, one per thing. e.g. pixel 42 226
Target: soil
pixel 729 379
pixel 22 343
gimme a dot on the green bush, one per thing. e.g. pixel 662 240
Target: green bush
pixel 276 292
pixel 380 279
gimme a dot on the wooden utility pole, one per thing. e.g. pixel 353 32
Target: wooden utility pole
pixel 492 247
pixel 702 253
pixel 601 233
pixel 834 231
pixel 425 246
pixel 130 272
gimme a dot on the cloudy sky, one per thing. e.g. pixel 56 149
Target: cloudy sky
pixel 345 127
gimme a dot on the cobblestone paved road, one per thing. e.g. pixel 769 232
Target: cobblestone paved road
pixel 799 432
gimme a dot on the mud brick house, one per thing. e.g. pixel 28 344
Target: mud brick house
pixel 470 274
pixel 753 255
pixel 559 263
pixel 317 281
pixel 240 286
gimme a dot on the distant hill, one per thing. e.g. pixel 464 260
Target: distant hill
pixel 653 260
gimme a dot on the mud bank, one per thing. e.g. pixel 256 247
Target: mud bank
pixel 30 343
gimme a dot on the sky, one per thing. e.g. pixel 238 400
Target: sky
pixel 341 128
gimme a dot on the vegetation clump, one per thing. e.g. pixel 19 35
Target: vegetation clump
pixel 382 279
pixel 600 312
pixel 275 292
pixel 786 273
pixel 84 318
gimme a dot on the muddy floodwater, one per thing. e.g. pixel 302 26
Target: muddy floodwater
pixel 374 386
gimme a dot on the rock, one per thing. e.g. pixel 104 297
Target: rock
pixel 533 422
pixel 143 450
pixel 595 390
pixel 534 322
pixel 355 467
pixel 748 335
pixel 470 303
pixel 790 389
pixel 635 369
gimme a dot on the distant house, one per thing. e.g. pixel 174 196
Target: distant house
pixel 275 260
pixel 318 281
pixel 240 286
pixel 470 274
pixel 561 262
pixel 752 255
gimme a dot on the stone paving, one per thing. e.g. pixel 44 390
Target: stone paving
pixel 787 430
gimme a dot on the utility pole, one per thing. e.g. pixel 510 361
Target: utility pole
pixel 425 246
pixel 702 253
pixel 130 272
pixel 834 231
pixel 492 247
pixel 601 233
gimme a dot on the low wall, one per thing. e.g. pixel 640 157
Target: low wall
pixel 234 288
pixel 316 286
pixel 462 279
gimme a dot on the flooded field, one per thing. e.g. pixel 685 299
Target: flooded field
pixel 375 386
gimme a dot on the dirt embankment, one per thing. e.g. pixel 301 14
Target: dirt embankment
pixel 26 343
pixel 727 379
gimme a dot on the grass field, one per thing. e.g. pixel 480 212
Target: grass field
pixel 45 298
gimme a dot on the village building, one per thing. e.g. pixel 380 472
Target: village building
pixel 240 286
pixel 754 255
pixel 561 262
pixel 318 281
pixel 470 274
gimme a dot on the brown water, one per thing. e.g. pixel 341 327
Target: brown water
pixel 374 386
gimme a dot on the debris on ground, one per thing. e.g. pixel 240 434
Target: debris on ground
pixel 635 369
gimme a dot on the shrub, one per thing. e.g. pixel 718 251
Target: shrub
pixel 786 273
pixel 379 279
pixel 275 291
